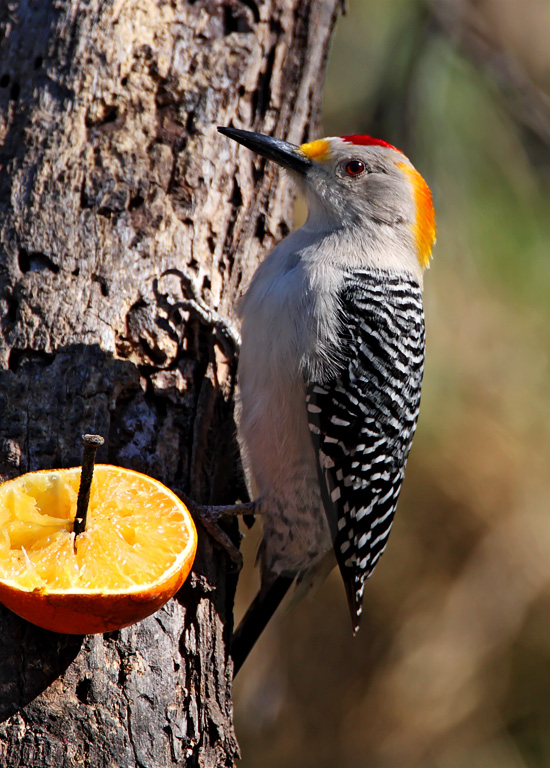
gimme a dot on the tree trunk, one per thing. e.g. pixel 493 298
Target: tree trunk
pixel 116 192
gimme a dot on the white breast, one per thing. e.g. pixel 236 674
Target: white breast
pixel 281 335
pixel 275 336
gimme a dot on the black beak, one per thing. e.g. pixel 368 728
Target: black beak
pixel 281 152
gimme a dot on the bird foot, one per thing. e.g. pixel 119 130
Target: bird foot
pixel 209 516
pixel 196 304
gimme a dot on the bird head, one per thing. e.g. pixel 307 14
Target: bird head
pixel 358 184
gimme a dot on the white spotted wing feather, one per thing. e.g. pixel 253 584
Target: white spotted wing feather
pixel 363 417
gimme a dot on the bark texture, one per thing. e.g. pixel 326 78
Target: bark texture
pixel 116 192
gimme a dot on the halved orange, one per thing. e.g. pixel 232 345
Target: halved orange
pixel 138 548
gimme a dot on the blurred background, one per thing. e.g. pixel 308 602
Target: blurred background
pixel 451 668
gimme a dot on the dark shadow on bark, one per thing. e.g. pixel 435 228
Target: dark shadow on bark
pixel 30 660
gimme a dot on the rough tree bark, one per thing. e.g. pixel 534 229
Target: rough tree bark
pixel 115 191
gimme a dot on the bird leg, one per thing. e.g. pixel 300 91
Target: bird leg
pixel 208 517
pixel 212 319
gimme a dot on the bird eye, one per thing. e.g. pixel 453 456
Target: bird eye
pixel 354 167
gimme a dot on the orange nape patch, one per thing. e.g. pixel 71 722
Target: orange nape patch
pixel 424 227
pixel 315 150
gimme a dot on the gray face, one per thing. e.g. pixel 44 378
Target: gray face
pixel 358 183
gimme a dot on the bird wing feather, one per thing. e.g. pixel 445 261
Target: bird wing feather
pixel 362 419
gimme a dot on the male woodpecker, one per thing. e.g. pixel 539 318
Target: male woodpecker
pixel 331 363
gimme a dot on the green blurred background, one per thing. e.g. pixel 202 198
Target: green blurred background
pixel 451 668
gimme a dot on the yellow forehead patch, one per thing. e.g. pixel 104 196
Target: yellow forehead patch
pixel 424 226
pixel 315 150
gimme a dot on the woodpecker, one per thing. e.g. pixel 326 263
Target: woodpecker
pixel 331 363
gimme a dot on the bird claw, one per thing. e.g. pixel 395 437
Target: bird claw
pixel 208 517
pixel 221 538
pixel 196 304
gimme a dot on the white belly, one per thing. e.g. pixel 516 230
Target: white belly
pixel 275 439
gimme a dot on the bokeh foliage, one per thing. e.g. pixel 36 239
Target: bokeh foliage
pixel 452 666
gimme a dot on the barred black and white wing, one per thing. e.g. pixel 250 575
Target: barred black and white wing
pixel 363 418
